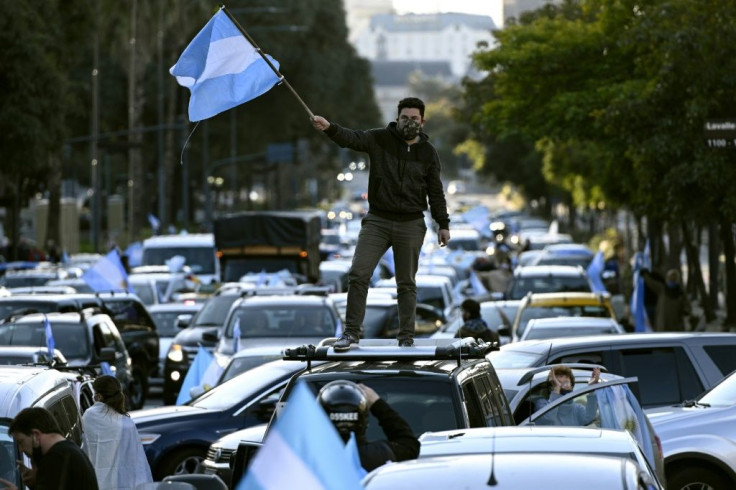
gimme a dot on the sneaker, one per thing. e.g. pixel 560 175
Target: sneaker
pixel 406 343
pixel 343 343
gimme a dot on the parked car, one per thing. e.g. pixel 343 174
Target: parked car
pixel 547 279
pixel 554 440
pixel 131 318
pixel 169 319
pixel 617 406
pixel 550 305
pixel 574 254
pixel 699 438
pixel 436 385
pixel 512 471
pixel 671 367
pixel 176 438
pixel 22 387
pixel 84 338
pixel 567 326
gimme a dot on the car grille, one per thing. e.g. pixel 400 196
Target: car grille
pixel 219 455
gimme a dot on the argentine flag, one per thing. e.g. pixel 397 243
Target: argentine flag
pixel 222 69
pixel 50 344
pixel 203 373
pixel 108 274
pixel 595 268
pixel 303 450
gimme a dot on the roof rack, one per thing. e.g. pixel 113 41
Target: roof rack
pixel 388 349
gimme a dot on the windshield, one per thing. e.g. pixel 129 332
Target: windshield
pixel 375 320
pixel 200 259
pixel 548 284
pixel 214 311
pixel 70 338
pixel 531 312
pixel 431 296
pixel 241 388
pixel 9 308
pixel 239 365
pixel 503 358
pixel 723 394
pixel 282 320
pixel 8 468
pixel 166 322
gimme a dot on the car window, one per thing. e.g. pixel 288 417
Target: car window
pixel 427 405
pixel 547 284
pixel 722 356
pixel 287 320
pixel 239 365
pixel 722 395
pixel 431 296
pixel 590 357
pixel 214 312
pixel 510 358
pixel 609 405
pixel 532 312
pixel 166 322
pixel 8 468
pixel 472 405
pixel 666 375
pixel 70 338
pixel 128 312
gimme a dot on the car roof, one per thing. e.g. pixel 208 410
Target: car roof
pixel 189 240
pixel 511 471
pixel 549 345
pixel 568 298
pixel 20 386
pixel 548 270
pixel 286 299
pixel 527 438
pixel 166 307
pixel 571 321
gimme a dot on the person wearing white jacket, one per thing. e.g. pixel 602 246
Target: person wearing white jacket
pixel 111 439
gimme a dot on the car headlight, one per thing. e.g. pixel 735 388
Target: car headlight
pixel 175 354
pixel 148 438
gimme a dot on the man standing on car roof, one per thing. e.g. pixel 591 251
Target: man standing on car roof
pixel 404 174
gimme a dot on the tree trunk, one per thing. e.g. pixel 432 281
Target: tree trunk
pixel 728 252
pixel 53 223
pixel 695 274
pixel 714 249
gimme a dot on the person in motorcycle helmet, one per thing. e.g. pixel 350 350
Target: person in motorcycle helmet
pixel 348 406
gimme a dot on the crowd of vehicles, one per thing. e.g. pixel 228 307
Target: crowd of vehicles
pixel 260 286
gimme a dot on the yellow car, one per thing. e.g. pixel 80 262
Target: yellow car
pixel 549 305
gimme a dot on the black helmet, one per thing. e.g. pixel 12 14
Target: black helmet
pixel 346 406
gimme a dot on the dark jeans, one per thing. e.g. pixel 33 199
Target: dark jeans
pixel 376 236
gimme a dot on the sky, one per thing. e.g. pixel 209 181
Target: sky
pixel 492 8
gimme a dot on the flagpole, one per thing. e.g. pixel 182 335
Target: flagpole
pixel 260 52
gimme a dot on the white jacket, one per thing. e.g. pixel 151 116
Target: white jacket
pixel 112 443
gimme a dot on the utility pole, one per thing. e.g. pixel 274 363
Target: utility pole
pixel 161 171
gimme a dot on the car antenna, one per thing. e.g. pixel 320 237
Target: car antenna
pixel 492 482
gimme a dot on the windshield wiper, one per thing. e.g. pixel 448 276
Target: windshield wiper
pixel 694 403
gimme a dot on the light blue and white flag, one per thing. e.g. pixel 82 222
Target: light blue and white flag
pixel 222 69
pixel 637 307
pixel 155 223
pixel 50 344
pixel 106 369
pixel 108 274
pixel 302 450
pixel 236 335
pixel 595 268
pixel 203 374
pixel 477 285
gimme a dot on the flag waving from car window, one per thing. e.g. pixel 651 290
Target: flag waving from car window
pixel 222 69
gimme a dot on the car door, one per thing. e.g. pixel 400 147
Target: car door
pixel 617 408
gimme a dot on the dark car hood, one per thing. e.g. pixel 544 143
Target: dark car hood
pixel 168 413
pixel 193 336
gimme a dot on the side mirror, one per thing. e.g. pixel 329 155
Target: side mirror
pixel 183 321
pixel 211 335
pixel 107 354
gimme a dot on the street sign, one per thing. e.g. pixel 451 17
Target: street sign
pixel 720 133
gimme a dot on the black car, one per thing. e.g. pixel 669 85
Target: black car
pixel 131 318
pixel 436 385
pixel 176 438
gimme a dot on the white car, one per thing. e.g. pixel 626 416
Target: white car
pixel 699 439
pixel 565 326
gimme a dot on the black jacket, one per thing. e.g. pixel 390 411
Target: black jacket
pixel 400 443
pixel 402 177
